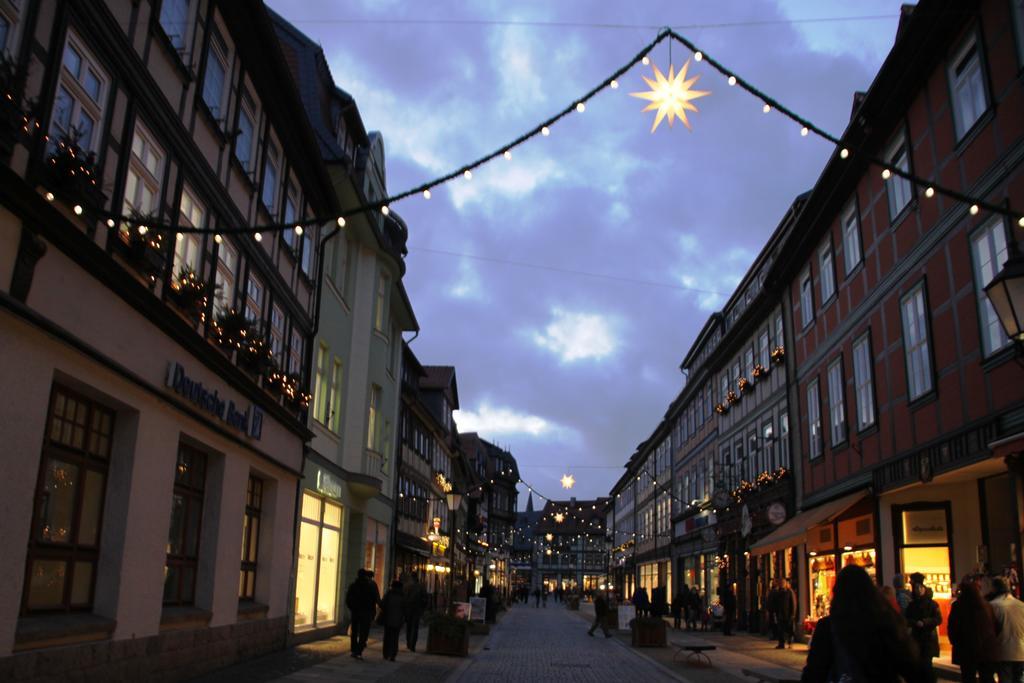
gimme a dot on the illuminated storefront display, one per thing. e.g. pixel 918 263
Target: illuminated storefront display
pixel 832 546
pixel 923 545
pixel 316 578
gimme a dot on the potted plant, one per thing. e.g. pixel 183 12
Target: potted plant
pixel 448 635
pixel 649 632
pixel 233 331
pixel 71 173
pixel 190 293
pixel 778 355
pixel 744 385
pixel 732 397
pixel 721 408
pixel 759 371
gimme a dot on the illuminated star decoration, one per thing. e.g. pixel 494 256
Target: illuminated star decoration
pixel 568 481
pixel 671 96
pixel 559 517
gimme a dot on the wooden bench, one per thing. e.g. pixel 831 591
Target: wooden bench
pixel 775 674
pixel 695 654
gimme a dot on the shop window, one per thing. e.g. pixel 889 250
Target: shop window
pixel 822 576
pixel 316 578
pixel 186 524
pixel 250 538
pixel 988 252
pixel 967 86
pixel 923 545
pixel 64 541
pixel 375 555
pixel 78 105
pixel 174 22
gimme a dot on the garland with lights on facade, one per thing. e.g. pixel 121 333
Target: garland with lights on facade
pixel 672 97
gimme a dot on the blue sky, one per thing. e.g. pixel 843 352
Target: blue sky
pixel 567 284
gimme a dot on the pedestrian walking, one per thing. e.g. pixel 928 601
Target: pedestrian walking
pixel 600 614
pixel 924 618
pixel 682 598
pixel 1009 617
pixel 544 596
pixel 361 599
pixel 862 640
pixel 487 593
pixel 693 609
pixel 414 602
pixel 729 609
pixel 536 597
pixel 392 615
pixel 972 632
pixel 641 602
pixel 903 596
pixel 783 606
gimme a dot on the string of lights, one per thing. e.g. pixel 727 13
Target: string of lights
pixel 543 129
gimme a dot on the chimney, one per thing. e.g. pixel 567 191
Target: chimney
pixel 906 12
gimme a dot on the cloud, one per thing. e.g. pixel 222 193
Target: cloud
pixel 508 179
pixel 578 336
pixel 467 283
pixel 709 274
pixel 492 421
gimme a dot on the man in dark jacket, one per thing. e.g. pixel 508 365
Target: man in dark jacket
pixel 392 615
pixel 600 614
pixel 729 606
pixel 782 604
pixel 361 599
pixel 414 601
pixel 924 617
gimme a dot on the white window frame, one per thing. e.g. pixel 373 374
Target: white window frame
pixel 226 276
pixel 916 343
pixel 337 377
pixel 296 344
pixel 81 101
pixel 178 37
pixel 306 260
pixel 373 419
pixel 837 402
pixel 217 49
pixel 380 305
pixel 968 96
pixel 142 176
pixel 852 252
pixel 277 326
pixel 272 168
pixel 289 215
pixel 988 254
pixel 814 445
pixel 806 299
pixel 255 293
pixel 898 190
pixel 826 273
pixel 10 11
pixel 246 108
pixel 321 390
pixel 188 247
pixel 863 381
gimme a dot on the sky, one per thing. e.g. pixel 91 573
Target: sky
pixel 567 284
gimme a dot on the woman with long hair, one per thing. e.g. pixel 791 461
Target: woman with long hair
pixel 972 632
pixel 862 639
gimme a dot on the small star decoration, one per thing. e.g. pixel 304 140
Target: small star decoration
pixel 671 96
pixel 568 481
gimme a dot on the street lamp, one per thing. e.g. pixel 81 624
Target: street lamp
pixel 453 500
pixel 1006 294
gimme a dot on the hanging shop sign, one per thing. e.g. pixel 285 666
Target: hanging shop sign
pixel 746 525
pixel 776 513
pixel 442 482
pixel 327 484
pixel 248 421
pixel 925 527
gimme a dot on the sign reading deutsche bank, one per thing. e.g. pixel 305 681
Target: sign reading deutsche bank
pixel 249 421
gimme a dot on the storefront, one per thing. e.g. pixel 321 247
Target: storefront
pixel 319 562
pixel 375 554
pixel 846 538
pixel 657 575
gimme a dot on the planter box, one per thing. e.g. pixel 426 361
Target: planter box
pixel 649 633
pixel 445 643
pixel 478 629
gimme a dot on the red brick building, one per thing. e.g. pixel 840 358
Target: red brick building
pixel 907 397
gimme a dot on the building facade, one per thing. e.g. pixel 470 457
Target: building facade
pixel 570 549
pixel 162 355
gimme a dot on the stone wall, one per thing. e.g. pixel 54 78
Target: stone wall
pixel 165 658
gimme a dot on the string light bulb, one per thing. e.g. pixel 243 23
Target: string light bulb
pixel 143 229
pixel 698 55
pixel 110 222
pixel 49 196
pixel 886 174
pixel 1020 221
pixel 974 209
pixel 645 61
pixel 766 108
pixel 77 209
pixel 732 80
pixel 258 237
pixel 467 174
pixel 218 239
pixel 843 153
pixel 341 221
pixel 387 211
pixel 507 155
pixel 804 131
pixel 545 131
pixel 614 84
pixel 426 194
pixel 929 192
pixel 580 107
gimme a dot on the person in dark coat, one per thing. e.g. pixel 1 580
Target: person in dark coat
pixel 600 614
pixel 924 618
pixel 536 597
pixel 641 602
pixel 862 639
pixel 487 593
pixel 414 601
pixel 972 632
pixel 392 615
pixel 693 609
pixel 361 599
pixel 782 604
pixel 682 598
pixel 729 609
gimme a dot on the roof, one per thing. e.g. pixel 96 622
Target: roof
pixel 441 377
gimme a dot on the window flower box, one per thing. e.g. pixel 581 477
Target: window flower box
pixel 760 371
pixel 732 397
pixel 778 355
pixel 744 385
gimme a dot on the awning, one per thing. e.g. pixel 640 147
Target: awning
pixel 794 531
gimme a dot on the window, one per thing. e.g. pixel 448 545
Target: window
pixel 768 444
pixel 188 246
pixel 897 188
pixel 321 398
pixel 863 382
pixel 725 385
pixel 373 422
pixel 186 522
pixel 216 73
pixel 851 237
pixel 227 267
pixel 277 334
pixel 763 352
pixel 836 402
pixel 143 179
pixel 967 86
pixel 246 131
pixel 6 32
pixel 336 388
pixel 174 22
pixel 316 577
pixel 9 11
pixel 748 363
pixel 250 538
pixel 270 175
pixel 806 299
pixel 78 104
pixel 307 253
pixel 915 343
pixel 295 352
pixel 65 537
pixel 784 440
pixel 380 308
pixel 813 420
pixel 291 201
pixel 1018 22
pixel 779 339
pixel 826 273
pixel 254 300
pixel 988 251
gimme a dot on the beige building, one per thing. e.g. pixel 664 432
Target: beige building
pixel 153 418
